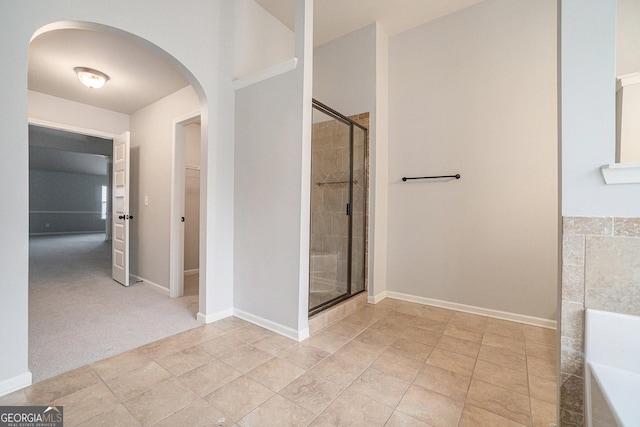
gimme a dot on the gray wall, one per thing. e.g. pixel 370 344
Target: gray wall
pixel 66 202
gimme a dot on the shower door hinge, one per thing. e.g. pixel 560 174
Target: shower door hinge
pixel 348 209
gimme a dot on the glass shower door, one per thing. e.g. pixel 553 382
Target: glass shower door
pixel 330 172
pixel 358 209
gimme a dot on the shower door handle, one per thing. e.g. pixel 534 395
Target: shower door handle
pixel 348 209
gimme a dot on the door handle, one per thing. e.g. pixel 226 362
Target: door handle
pixel 181 219
pixel 125 217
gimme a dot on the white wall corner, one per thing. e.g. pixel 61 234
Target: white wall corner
pixel 214 317
pixel 621 173
pixel 285 331
pixel 265 74
pixel 16 383
pixel 374 299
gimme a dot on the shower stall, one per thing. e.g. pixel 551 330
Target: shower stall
pixel 338 208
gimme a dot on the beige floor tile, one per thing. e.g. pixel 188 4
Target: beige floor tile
pixel 545 368
pixel 388 328
pixel 362 318
pixel 274 344
pixel 422 336
pixel 411 349
pixel 199 413
pixel 452 361
pixel 410 308
pixel 251 333
pixel 246 358
pixel 137 381
pixel 345 329
pixel 448 383
pixel 200 334
pixel 379 386
pixel 505 328
pixel 210 377
pixel 375 338
pixel 239 397
pixel 86 403
pixel 543 413
pixel 118 416
pixel 457 345
pixel 356 410
pixel 500 401
pixel 431 325
pixel 402 367
pixel 160 402
pixel 276 373
pixel 230 323
pixel 544 336
pixel 338 370
pixel 222 345
pixel 503 357
pixel 473 416
pixel 304 356
pixel 185 360
pixel 430 407
pixel 277 411
pixel 45 392
pixel 501 376
pixel 464 334
pixel 507 343
pixel 470 321
pixel 437 313
pixel 541 351
pixel 398 419
pixel 402 319
pixel 312 392
pixel 360 353
pixel 327 341
pixel 120 363
pixel 164 347
pixel 543 389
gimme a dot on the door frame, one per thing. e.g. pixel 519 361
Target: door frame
pixel 176 228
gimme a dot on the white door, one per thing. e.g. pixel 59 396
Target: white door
pixel 120 206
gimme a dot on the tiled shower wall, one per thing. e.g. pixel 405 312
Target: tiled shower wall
pixel 329 195
pixel 600 270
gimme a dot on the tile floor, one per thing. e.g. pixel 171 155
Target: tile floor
pixel 391 364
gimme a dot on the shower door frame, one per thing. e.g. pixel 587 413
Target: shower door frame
pixel 349 208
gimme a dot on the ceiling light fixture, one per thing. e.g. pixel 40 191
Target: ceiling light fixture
pixel 91 78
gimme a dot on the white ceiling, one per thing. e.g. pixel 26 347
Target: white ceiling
pixel 138 77
pixel 335 18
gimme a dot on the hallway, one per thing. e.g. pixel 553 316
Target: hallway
pixel 78 314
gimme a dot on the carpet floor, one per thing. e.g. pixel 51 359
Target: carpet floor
pixel 78 314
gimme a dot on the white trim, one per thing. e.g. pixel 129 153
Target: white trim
pixel 374 299
pixel 152 285
pixel 213 317
pixel 273 326
pixel 16 383
pixel 57 233
pixel 627 80
pixel 514 317
pixel 265 74
pixel 192 272
pixel 69 128
pixel 621 173
pixel 65 212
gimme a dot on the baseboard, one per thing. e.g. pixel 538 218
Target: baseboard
pixel 15 383
pixel 61 233
pixel 273 326
pixel 154 286
pixel 374 299
pixel 192 272
pixel 514 317
pixel 213 317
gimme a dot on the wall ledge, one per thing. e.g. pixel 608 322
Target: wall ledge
pixel 16 383
pixel 265 74
pixel 621 173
